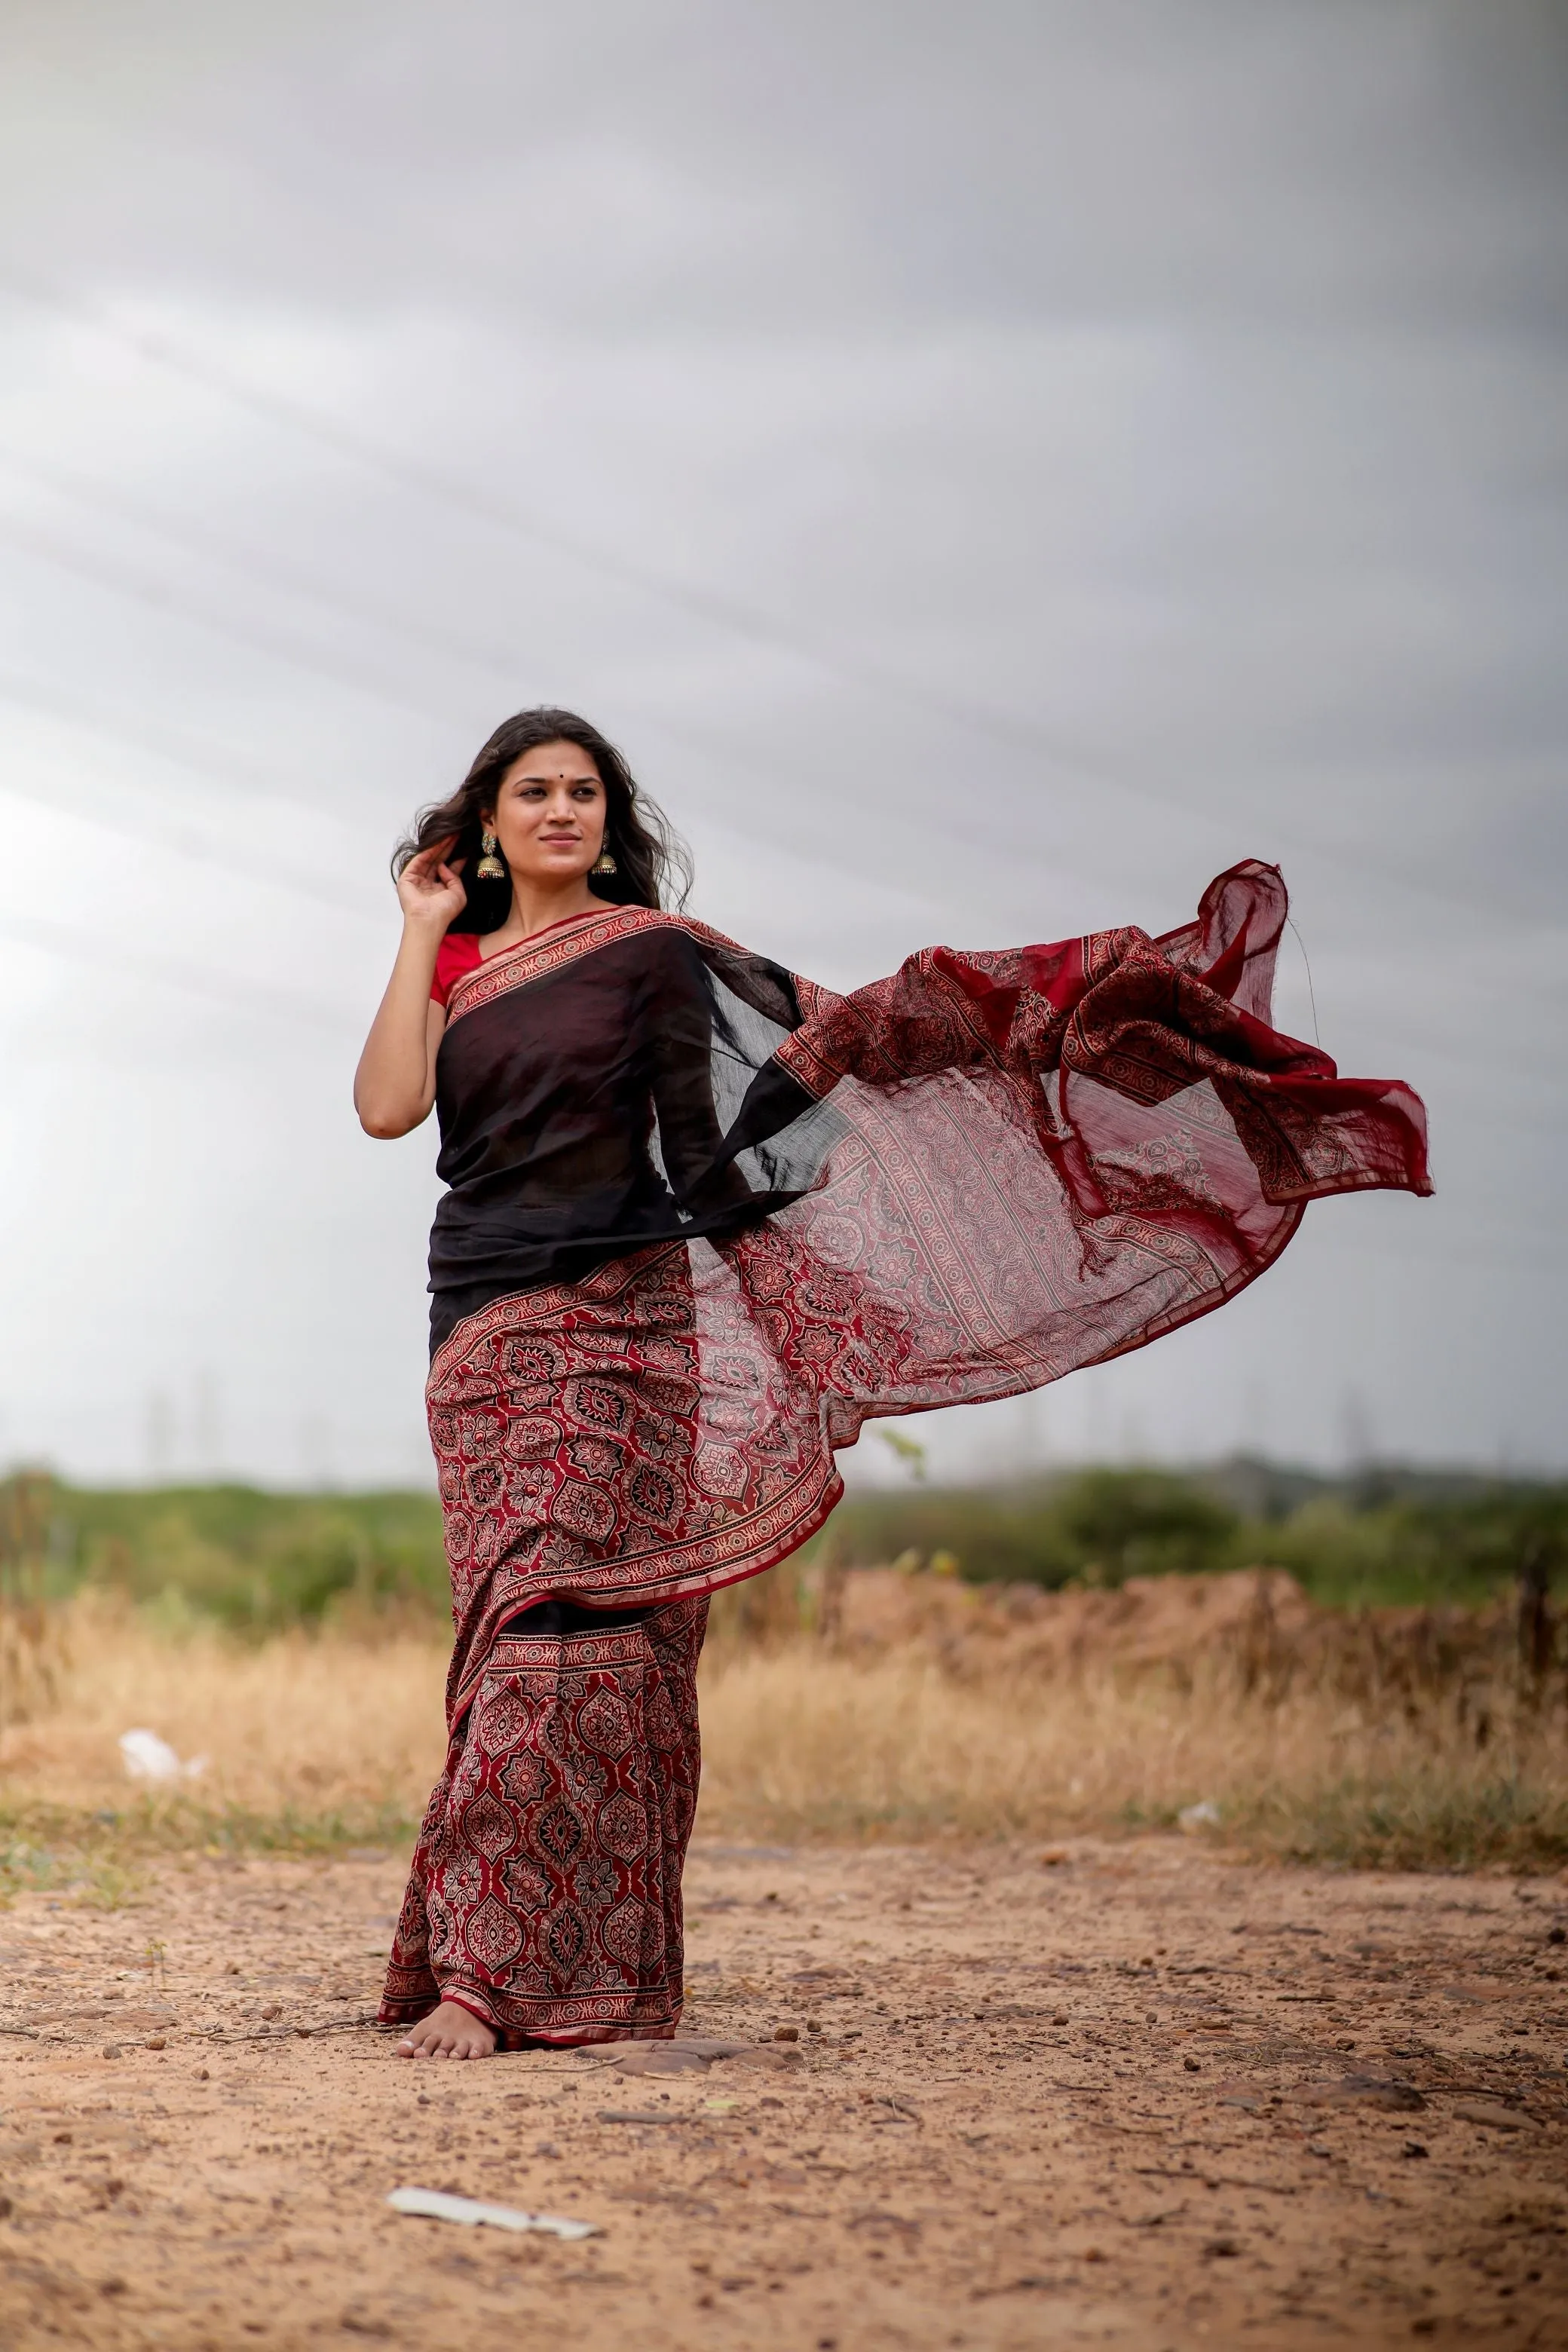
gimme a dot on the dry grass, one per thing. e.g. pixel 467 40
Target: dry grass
pixel 308 1745
pixel 797 1745
pixel 312 1742
pixel 29 1635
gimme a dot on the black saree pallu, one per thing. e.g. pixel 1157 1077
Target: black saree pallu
pixel 705 1219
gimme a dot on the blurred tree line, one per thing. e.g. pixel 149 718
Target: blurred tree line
pixel 258 1562
pixel 1380 1537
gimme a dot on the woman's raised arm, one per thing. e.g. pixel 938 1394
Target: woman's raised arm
pixel 394 1085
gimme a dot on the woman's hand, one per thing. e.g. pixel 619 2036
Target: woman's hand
pixel 428 889
pixel 394 1085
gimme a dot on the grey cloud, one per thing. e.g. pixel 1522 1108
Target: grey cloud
pixel 993 468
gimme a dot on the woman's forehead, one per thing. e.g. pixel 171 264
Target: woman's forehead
pixel 550 763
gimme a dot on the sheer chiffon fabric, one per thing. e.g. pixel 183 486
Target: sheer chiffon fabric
pixel 706 1218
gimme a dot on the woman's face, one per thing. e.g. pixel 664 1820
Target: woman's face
pixel 550 813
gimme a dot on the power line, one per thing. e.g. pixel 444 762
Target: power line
pixel 172 836
pixel 495 510
pixel 1442 1047
pixel 196 853
pixel 258 564
pixel 249 562
pixel 108 571
pixel 76 944
pixel 119 578
pixel 132 730
pixel 124 580
pixel 70 942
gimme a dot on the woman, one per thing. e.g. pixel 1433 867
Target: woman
pixel 703 1218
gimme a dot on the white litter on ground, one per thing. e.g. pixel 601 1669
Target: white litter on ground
pixel 148 1758
pixel 1199 1817
pixel 436 2205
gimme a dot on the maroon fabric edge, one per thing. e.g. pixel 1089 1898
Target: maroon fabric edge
pixel 531 958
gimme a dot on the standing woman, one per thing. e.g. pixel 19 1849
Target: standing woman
pixel 703 1220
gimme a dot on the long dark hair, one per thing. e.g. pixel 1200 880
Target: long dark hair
pixel 653 866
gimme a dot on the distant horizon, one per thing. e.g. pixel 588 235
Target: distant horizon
pixel 1267 1466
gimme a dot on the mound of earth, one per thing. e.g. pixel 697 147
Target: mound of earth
pixel 1254 1626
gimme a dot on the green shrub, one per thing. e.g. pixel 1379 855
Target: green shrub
pixel 256 1562
pixel 259 1563
pixel 1410 1537
pixel 1120 1523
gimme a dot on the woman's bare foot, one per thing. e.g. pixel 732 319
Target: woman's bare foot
pixel 449 2032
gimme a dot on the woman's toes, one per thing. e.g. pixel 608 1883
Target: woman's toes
pixel 448 2033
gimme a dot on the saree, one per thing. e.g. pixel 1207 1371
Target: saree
pixel 704 1219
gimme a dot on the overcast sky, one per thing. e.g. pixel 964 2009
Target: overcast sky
pixel 991 465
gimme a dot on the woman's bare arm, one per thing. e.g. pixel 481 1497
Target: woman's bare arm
pixel 394 1085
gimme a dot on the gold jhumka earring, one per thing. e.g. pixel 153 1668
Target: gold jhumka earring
pixel 604 863
pixel 490 867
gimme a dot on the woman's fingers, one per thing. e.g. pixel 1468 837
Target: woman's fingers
pixel 426 861
pixel 428 883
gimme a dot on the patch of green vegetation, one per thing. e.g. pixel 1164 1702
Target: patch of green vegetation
pixel 256 1562
pixel 100 1859
pixel 47 1850
pixel 239 1829
pixel 1412 1550
pixel 1133 1815
pixel 34 1870
pixel 1428 1822
pixel 261 1563
pixel 1377 1540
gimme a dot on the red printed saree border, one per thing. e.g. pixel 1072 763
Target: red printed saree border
pixel 601 1285
pixel 822 1050
pixel 677 1570
pixel 531 960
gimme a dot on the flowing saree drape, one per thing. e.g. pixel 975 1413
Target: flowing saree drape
pixel 705 1219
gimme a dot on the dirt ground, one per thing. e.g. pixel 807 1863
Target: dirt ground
pixel 1127 2094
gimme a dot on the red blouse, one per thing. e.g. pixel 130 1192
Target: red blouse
pixel 457 953
pixel 460 953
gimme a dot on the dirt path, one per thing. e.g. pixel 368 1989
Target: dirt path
pixel 1096 2100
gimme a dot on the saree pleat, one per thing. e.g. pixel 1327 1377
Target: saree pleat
pixel 545 1891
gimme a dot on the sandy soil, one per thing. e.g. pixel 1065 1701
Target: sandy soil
pixel 1101 2099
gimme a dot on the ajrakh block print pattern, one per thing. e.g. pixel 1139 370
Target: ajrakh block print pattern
pixel 545 1889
